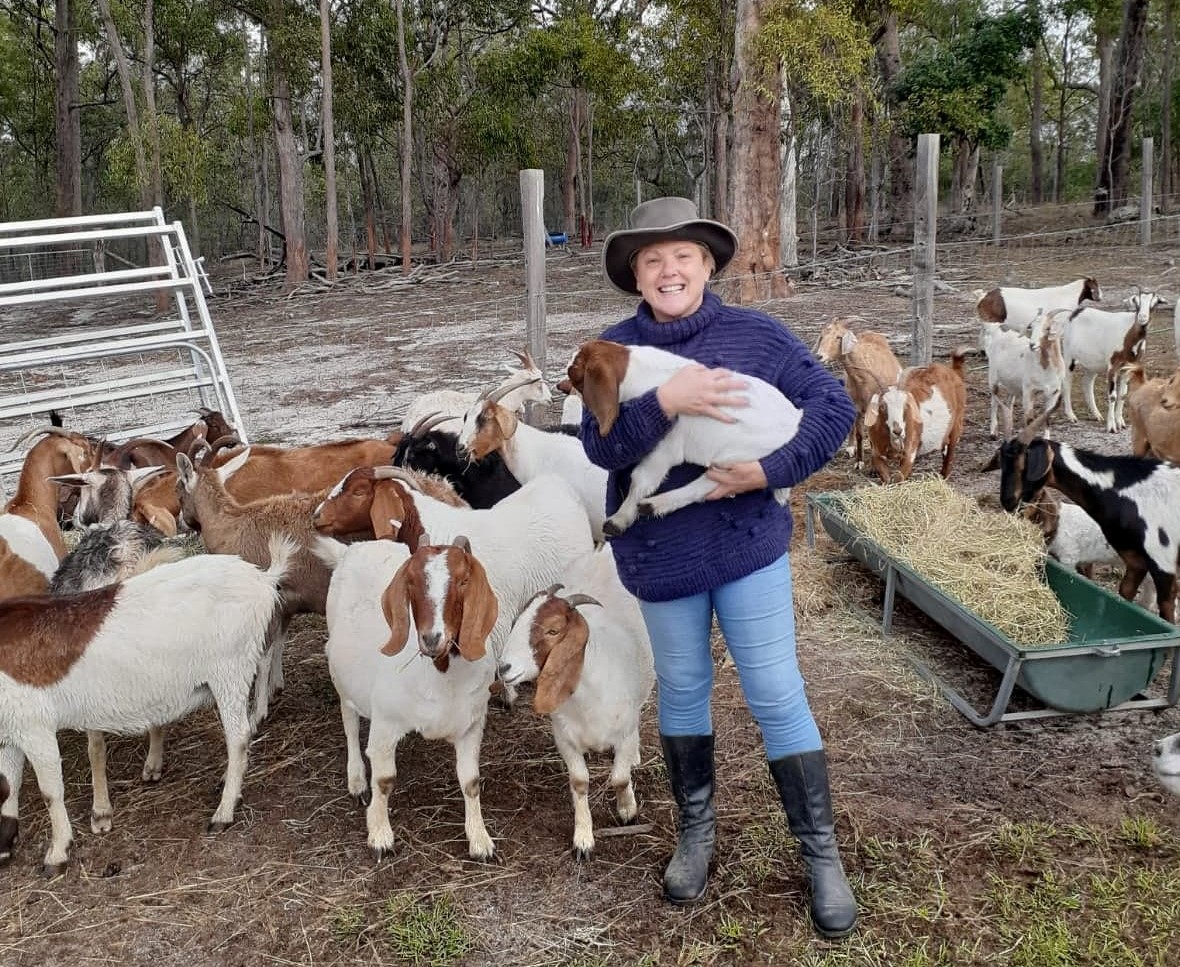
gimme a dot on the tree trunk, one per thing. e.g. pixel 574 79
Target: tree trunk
pixel 900 207
pixel 369 201
pixel 129 105
pixel 291 205
pixel 789 216
pixel 854 178
pixel 1062 118
pixel 330 212
pixel 1167 177
pixel 1112 186
pixel 67 123
pixel 257 161
pixel 1036 120
pixel 1105 47
pixel 569 174
pixel 757 176
pixel 407 138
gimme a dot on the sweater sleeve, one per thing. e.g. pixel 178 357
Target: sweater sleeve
pixel 640 426
pixel 828 414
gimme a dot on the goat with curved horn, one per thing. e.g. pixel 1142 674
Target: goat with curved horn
pixel 495 395
pixel 54 430
pixel 574 600
pixel 429 422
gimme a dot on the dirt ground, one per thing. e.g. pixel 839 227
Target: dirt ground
pixel 954 837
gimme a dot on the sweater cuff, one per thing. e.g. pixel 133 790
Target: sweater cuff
pixel 782 469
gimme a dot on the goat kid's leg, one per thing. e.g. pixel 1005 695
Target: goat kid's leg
pixel 100 809
pixel 626 758
pixel 859 433
pixel 1112 403
pixel 45 758
pixel 382 752
pixel 645 478
pixel 671 500
pixel 579 775
pixel 277 682
pixel 233 709
pixel 153 765
pixel 12 767
pixel 358 786
pixel 479 843
pixel 1088 381
pixel 1067 397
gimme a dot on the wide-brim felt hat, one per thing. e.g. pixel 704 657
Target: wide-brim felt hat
pixel 669 219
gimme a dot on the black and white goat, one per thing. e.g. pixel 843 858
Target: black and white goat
pixel 1133 500
pixel 482 483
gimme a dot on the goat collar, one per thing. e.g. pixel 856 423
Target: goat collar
pixel 655 333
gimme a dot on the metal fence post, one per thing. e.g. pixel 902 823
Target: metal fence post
pixel 1145 193
pixel 925 229
pixel 532 198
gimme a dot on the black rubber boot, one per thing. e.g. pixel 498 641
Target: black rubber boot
pixel 689 759
pixel 802 782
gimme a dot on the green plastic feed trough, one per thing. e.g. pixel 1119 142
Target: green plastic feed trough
pixel 1116 649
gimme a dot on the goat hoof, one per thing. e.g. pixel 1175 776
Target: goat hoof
pixel 100 823
pixel 583 854
pixel 218 826
pixel 152 775
pixel 51 870
pixel 363 798
pixel 380 852
pixel 612 529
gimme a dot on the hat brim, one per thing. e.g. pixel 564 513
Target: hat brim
pixel 621 246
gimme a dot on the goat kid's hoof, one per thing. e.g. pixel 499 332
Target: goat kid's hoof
pixel 100 822
pixel 613 528
pixel 154 774
pixel 218 826
pixel 362 799
pixel 584 854
pixel 380 852
pixel 52 870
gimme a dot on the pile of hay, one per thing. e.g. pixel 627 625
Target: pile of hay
pixel 990 562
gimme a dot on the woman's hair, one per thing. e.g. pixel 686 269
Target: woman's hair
pixel 709 259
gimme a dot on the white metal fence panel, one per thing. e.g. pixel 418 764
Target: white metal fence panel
pixel 80 333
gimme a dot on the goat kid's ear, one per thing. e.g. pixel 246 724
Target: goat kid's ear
pixel 395 605
pixel 563 668
pixel 185 472
pixel 600 391
pixel 230 467
pixel 872 410
pixel 847 341
pixel 480 611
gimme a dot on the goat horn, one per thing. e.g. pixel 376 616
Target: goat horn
pixel 55 430
pixel 526 359
pixel 1035 428
pixel 429 422
pixel 554 588
pixel 225 441
pixel 576 599
pixel 399 474
pixel 498 394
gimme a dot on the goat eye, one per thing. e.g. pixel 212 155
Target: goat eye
pixel 431 446
pixel 550 632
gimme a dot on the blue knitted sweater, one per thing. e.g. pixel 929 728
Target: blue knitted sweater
pixel 707 544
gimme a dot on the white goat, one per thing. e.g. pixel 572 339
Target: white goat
pixel 445 700
pixel 1099 341
pixel 127 657
pixel 609 373
pixel 523 385
pixel 1005 351
pixel 1165 760
pixel 589 652
pixel 529 453
pixel 1015 308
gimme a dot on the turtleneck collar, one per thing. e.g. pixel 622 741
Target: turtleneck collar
pixel 656 333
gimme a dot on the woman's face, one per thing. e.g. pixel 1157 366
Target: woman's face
pixel 671 277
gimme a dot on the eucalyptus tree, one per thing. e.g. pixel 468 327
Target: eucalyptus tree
pixel 1114 162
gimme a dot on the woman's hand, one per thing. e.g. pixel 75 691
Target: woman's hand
pixel 699 391
pixel 737 478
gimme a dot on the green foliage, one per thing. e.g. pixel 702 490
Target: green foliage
pixel 824 49
pixel 956 89
pixel 426 931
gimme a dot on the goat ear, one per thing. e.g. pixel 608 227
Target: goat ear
pixel 230 467
pixel 563 668
pixel 992 464
pixel 872 410
pixel 480 611
pixel 847 341
pixel 1038 458
pixel 395 605
pixel 506 421
pixel 386 508
pixel 186 474
pixel 911 407
pixel 600 393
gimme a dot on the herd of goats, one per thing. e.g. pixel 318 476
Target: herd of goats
pixel 472 545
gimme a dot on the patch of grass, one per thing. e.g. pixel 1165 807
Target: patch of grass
pixel 428 931
pixel 1142 831
pixel 861 951
pixel 1025 844
pixel 762 851
pixel 903 879
pixel 347 923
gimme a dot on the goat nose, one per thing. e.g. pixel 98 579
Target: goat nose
pixel 430 641
pixel 504 669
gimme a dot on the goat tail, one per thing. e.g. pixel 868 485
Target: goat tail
pixel 282 550
pixel 959 360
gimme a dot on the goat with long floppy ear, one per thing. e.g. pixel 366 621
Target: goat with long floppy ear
pixel 563 665
pixel 596 373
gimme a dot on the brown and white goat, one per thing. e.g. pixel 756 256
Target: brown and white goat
pixel 869 367
pixel 922 413
pixel 440 601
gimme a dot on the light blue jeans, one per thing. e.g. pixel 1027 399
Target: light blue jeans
pixel 757 617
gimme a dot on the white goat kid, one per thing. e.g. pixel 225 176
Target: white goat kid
pixel 588 650
pixel 608 374
pixel 1098 341
pixel 1165 760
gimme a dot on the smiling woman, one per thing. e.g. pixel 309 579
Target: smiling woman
pixel 718 557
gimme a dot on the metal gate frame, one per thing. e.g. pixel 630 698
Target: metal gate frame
pixel 190 332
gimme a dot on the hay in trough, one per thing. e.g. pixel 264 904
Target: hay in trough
pixel 990 562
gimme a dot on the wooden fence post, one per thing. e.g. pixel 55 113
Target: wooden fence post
pixel 1145 193
pixel 532 198
pixel 925 229
pixel 997 201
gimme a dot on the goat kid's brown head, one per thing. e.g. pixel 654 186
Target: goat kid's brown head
pixel 444 591
pixel 835 339
pixel 557 637
pixel 596 373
